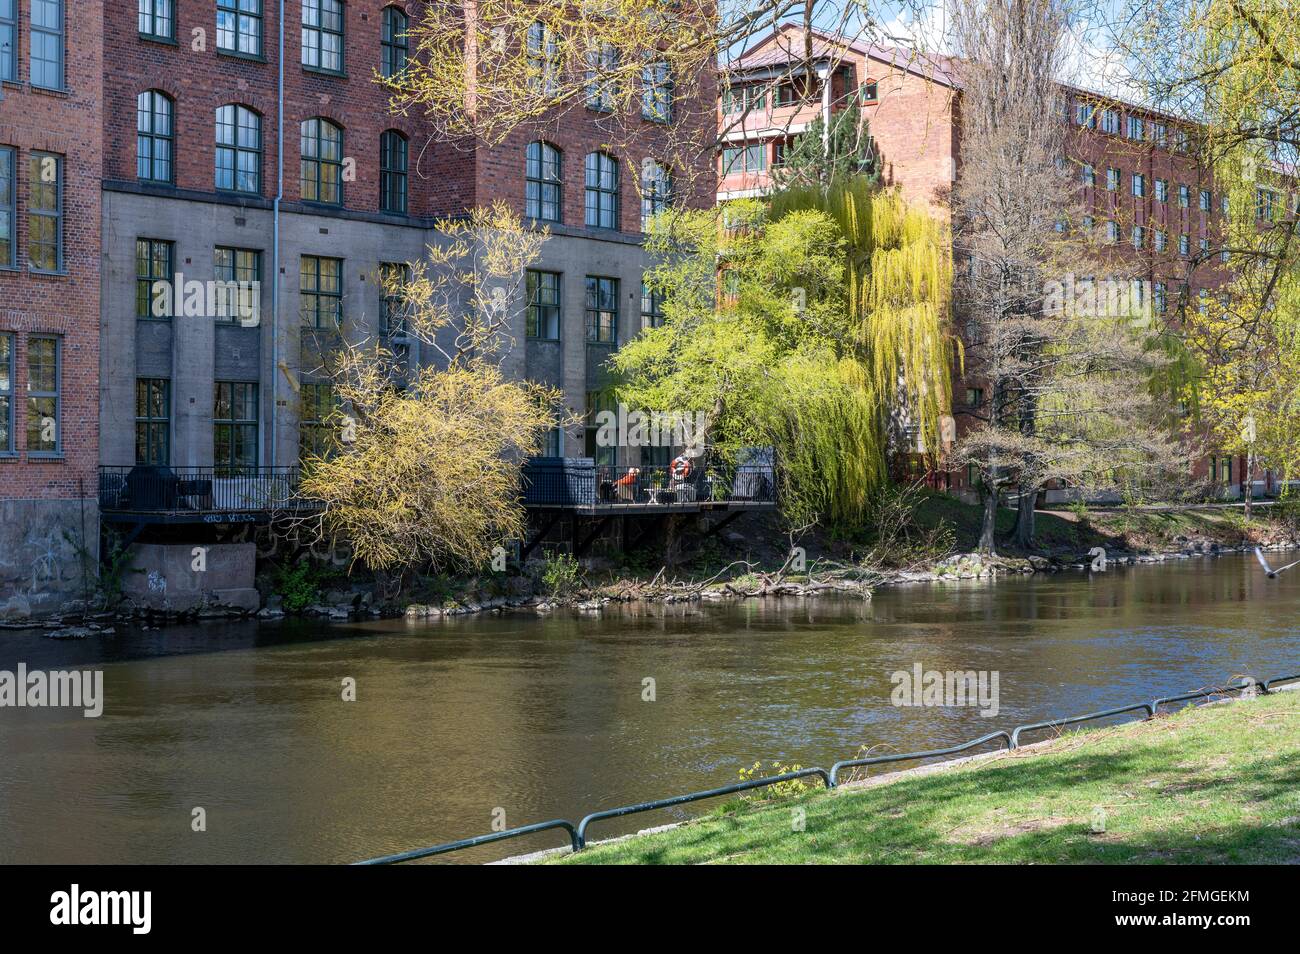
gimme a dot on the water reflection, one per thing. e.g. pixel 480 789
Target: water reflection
pixel 545 718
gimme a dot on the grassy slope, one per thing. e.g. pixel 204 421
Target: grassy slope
pixel 1216 784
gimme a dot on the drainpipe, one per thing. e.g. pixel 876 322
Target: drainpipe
pixel 275 251
pixel 826 108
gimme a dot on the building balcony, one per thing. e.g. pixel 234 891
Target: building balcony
pixel 159 494
pixel 582 485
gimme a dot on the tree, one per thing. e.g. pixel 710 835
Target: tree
pixel 818 156
pixel 1236 67
pixel 830 317
pixel 426 467
pixel 1061 382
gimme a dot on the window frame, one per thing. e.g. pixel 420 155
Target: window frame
pixel 9 27
pixel 601 323
pixel 61 35
pixel 601 94
pixel 652 308
pixel 657 92
pixel 36 212
pixel 389 328
pixel 9 207
pixel 34 395
pixel 144 283
pixel 232 424
pixel 234 272
pixel 320 163
pixel 154 15
pixel 8 391
pixel 313 318
pixel 394 45
pixel 153 137
pixel 543 316
pixel 656 190
pixel 392 177
pixel 234 9
pixel 540 184
pixel 319 32
pixel 151 422
pixel 235 150
pixel 316 430
pixel 607 205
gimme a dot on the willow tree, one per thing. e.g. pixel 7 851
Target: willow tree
pixel 828 325
pixel 1238 66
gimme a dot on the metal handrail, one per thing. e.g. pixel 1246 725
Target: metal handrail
pixel 695 797
pixel 574 839
pixel 908 756
pixel 577 834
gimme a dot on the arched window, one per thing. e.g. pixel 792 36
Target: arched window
pixel 602 191
pixel 321 177
pixel 239 149
pixel 393 42
pixel 656 190
pixel 543 183
pixel 154 136
pixel 392 172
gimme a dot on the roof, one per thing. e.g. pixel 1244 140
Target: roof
pixel 770 52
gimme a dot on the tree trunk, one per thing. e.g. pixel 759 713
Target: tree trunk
pixel 988 525
pixel 1248 481
pixel 1025 518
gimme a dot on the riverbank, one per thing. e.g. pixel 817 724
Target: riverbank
pixel 1210 784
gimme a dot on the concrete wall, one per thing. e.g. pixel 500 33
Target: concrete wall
pixel 41 546
pixel 179 578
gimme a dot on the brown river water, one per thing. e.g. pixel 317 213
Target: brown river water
pixel 529 718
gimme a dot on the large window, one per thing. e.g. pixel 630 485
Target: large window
pixel 602 191
pixel 604 454
pixel 234 427
pixel 242 268
pixel 657 93
pixel 543 58
pixel 153 416
pixel 43 381
pixel 316 421
pixel 153 264
pixel 8 39
pixel 6 393
pixel 45 212
pixel 8 206
pixel 158 19
pixel 322 162
pixel 656 191
pixel 602 309
pixel 392 172
pixel 602 91
pixel 543 183
pixel 322 35
pixel 239 26
pixel 751 158
pixel 393 41
pixel 543 319
pixel 652 307
pixel 394 277
pixel 47 44
pixel 239 150
pixel 154 135
pixel 321 288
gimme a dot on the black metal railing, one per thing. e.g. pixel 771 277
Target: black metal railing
pixel 580 481
pixel 157 489
pixel 578 833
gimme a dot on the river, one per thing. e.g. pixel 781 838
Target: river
pixel 525 718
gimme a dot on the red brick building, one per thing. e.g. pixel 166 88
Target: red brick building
pixel 207 141
pixel 1146 192
pixel 51 157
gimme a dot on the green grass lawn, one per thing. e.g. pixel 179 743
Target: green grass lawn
pixel 1206 785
